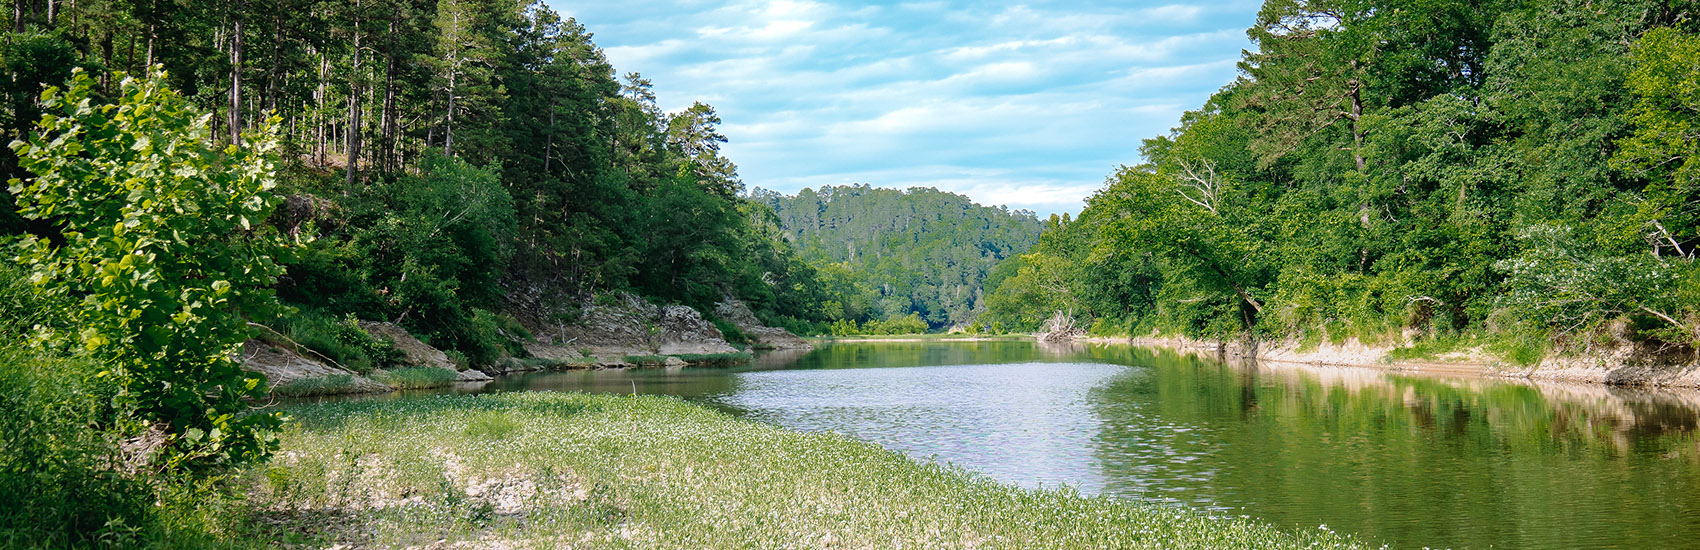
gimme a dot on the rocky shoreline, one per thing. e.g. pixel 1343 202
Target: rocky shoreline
pixel 1620 366
pixel 620 331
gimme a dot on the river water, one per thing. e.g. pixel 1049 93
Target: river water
pixel 1405 460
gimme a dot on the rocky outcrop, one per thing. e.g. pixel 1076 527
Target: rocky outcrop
pixel 628 325
pixel 300 375
pixel 733 310
pixel 419 354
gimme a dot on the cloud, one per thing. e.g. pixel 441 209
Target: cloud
pixel 1026 104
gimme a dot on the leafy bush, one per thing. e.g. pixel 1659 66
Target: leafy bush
pixel 911 324
pixel 160 238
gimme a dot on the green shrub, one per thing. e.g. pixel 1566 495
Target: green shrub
pixel 731 333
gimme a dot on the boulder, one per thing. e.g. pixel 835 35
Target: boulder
pixel 733 310
pixel 623 324
pixel 417 353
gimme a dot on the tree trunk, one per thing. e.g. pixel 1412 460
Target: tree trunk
pixel 354 104
pixel 449 128
pixel 277 62
pixel 388 124
pixel 1357 127
pixel 236 74
pixel 549 143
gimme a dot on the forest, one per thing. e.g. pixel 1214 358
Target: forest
pixel 442 161
pixel 185 175
pixel 892 253
pixel 1519 175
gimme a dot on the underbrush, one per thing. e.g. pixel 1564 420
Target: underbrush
pixel 66 480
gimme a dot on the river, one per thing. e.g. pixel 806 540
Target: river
pixel 1405 460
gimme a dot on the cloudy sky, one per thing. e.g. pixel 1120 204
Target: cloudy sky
pixel 1028 105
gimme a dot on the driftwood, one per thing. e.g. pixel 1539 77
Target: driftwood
pixel 1060 328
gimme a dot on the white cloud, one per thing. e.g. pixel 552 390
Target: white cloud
pixel 1024 104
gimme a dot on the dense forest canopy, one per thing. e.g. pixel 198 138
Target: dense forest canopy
pixel 445 160
pixel 893 253
pixel 1519 170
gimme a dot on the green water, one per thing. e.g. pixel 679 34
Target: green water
pixel 1404 460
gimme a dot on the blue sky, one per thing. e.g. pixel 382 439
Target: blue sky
pixel 1028 105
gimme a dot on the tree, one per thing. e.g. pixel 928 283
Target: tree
pixel 161 240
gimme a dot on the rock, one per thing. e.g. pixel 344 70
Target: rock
pixel 284 366
pixel 550 352
pixel 470 375
pixel 733 310
pixel 417 353
pixel 674 362
pixel 628 325
pixel 684 331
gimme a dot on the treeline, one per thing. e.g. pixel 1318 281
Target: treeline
pixel 887 254
pixel 448 160
pixel 1524 174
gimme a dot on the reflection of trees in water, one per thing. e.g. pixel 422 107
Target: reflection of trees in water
pixel 1406 459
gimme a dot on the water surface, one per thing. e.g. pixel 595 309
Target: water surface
pixel 1408 461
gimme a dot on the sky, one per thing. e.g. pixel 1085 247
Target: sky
pixel 1029 105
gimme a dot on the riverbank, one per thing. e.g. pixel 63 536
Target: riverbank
pixel 573 470
pixel 1617 367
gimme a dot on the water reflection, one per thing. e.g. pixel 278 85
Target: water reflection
pixel 1407 460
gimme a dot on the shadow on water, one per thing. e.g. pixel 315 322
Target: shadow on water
pixel 1406 460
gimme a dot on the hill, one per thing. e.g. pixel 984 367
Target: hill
pixel 895 252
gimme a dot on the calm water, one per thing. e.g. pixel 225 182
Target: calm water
pixel 1403 460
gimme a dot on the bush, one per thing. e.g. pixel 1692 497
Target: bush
pixel 57 484
pixel 161 243
pixel 342 341
pixel 901 325
pixel 731 333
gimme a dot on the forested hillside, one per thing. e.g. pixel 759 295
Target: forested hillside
pixel 442 160
pixel 1526 174
pixel 891 253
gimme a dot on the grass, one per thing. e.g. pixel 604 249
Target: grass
pixel 318 385
pixel 716 358
pixel 646 360
pixel 409 378
pixel 545 470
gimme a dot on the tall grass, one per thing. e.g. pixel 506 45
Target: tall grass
pixel 572 470
pixel 412 378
